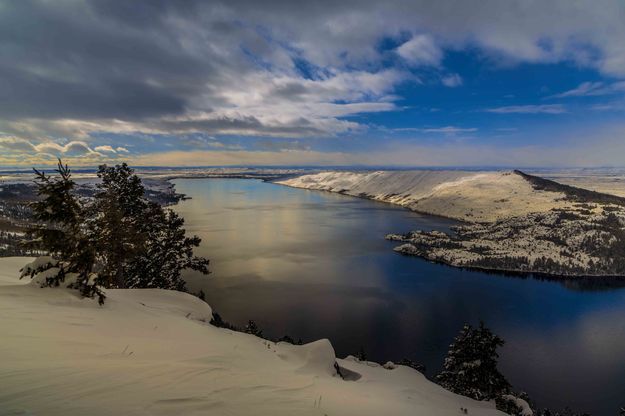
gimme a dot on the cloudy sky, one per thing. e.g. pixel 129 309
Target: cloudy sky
pixel 281 82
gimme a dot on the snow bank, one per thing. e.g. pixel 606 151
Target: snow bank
pixel 463 195
pixel 152 352
pixel 44 269
pixel 10 268
pixel 314 358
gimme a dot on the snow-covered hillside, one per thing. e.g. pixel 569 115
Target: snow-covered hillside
pixel 463 195
pixel 516 222
pixel 586 240
pixel 152 352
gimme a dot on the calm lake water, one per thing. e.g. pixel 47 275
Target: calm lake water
pixel 315 265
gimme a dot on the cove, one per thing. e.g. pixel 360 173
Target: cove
pixel 313 265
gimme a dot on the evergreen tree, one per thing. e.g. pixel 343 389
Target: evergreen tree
pixel 119 213
pixel 252 328
pixel 470 367
pixel 218 321
pixel 57 212
pixel 60 231
pixel 286 339
pixel 119 240
pixel 142 245
pixel 362 355
pixel 166 252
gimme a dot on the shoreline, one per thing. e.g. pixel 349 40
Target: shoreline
pixel 368 198
pixel 575 234
pixel 585 279
pixel 591 280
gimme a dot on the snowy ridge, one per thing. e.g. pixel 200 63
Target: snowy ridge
pixel 515 222
pixel 152 352
pixel 463 195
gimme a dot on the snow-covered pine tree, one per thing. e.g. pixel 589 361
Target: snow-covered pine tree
pixel 141 244
pixel 60 232
pixel 470 367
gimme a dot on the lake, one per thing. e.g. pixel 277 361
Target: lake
pixel 315 265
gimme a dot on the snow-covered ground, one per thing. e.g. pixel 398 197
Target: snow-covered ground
pixel 516 222
pixel 152 352
pixel 463 195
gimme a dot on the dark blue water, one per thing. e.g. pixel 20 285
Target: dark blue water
pixel 315 265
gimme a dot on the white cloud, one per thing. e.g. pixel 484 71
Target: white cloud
pixel 421 50
pixel 447 130
pixel 122 149
pixel 289 106
pixel 16 144
pixel 586 89
pixel 450 130
pixel 529 109
pixel 612 106
pixel 452 80
pixel 73 148
pixel 106 148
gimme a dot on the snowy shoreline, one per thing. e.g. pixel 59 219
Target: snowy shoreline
pixel 513 222
pixel 468 196
pixel 153 352
pixel 583 281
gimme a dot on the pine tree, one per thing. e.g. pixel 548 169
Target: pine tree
pixel 362 355
pixel 252 328
pixel 166 252
pixel 60 231
pixel 57 212
pixel 470 367
pixel 118 240
pixel 119 213
pixel 142 245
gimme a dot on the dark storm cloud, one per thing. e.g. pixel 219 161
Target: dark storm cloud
pixel 67 59
pixel 241 125
pixel 32 95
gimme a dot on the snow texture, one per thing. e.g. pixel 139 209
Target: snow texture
pixel 153 352
pixel 462 195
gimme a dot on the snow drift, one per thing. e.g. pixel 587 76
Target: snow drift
pixel 153 352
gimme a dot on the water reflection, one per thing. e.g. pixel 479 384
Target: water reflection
pixel 315 265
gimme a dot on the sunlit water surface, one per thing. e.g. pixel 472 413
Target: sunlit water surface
pixel 315 265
